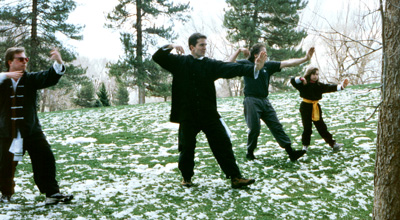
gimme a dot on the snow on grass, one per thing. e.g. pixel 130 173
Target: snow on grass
pixel 121 163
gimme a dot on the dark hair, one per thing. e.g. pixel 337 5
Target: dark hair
pixel 310 71
pixel 194 37
pixel 10 54
pixel 255 49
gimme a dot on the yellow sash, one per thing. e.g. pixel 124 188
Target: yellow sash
pixel 315 110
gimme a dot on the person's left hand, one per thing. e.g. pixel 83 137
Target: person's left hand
pixel 55 55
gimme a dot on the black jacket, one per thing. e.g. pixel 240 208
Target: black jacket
pixel 32 82
pixel 313 91
pixel 193 89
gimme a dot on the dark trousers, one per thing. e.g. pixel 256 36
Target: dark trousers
pixel 7 168
pixel 218 140
pixel 260 108
pixel 306 113
pixel 43 163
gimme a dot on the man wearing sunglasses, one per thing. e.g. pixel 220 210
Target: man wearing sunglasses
pixel 20 129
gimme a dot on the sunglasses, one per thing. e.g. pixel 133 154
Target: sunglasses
pixel 21 59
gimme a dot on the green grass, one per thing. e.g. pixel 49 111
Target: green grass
pixel 129 170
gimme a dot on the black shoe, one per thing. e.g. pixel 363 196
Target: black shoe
pixel 187 182
pixel 250 156
pixel 5 199
pixel 294 154
pixel 239 182
pixel 58 197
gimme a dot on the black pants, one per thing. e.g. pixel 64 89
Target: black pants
pixel 260 108
pixel 43 162
pixel 218 140
pixel 306 113
pixel 7 168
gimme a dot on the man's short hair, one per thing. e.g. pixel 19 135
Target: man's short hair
pixel 255 49
pixel 10 54
pixel 194 37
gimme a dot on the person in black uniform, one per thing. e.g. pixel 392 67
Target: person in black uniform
pixel 20 129
pixel 311 91
pixel 257 105
pixel 194 104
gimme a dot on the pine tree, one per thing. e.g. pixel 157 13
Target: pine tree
pixel 122 96
pixel 273 22
pixel 33 25
pixel 160 81
pixel 103 95
pixel 142 16
pixel 85 96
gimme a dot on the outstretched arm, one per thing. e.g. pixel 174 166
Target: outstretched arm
pixel 236 54
pixel 296 62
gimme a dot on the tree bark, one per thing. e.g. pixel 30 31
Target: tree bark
pixel 387 164
pixel 139 53
pixel 44 100
pixel 34 41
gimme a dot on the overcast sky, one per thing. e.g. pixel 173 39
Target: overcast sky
pixel 101 42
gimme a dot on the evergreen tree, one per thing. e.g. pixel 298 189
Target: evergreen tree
pixel 122 96
pixel 274 22
pixel 33 24
pixel 85 96
pixel 103 95
pixel 143 16
pixel 160 81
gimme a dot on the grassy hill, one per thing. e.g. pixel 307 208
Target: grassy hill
pixel 121 163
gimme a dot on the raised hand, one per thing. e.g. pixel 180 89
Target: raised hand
pixel 260 60
pixel 345 83
pixel 310 53
pixel 55 55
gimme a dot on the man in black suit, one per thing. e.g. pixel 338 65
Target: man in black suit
pixel 20 129
pixel 194 104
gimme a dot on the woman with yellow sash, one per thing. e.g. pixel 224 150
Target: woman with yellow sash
pixel 311 91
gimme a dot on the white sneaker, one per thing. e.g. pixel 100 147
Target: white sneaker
pixel 337 146
pixel 305 147
pixel 58 197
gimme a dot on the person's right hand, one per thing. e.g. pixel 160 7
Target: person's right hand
pixel 304 81
pixel 345 83
pixel 179 49
pixel 260 60
pixel 14 75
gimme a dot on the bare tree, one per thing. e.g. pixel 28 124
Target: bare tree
pixel 352 43
pixel 387 163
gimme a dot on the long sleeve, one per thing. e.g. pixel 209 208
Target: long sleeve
pixel 226 70
pixel 296 83
pixel 44 79
pixel 166 60
pixel 2 77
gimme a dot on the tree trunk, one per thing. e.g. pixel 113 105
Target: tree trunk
pixel 139 53
pixel 34 41
pixel 44 100
pixel 387 164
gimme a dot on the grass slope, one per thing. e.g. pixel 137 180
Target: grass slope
pixel 121 163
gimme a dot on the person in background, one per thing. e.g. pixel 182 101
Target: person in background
pixel 311 91
pixel 194 104
pixel 257 105
pixel 20 129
